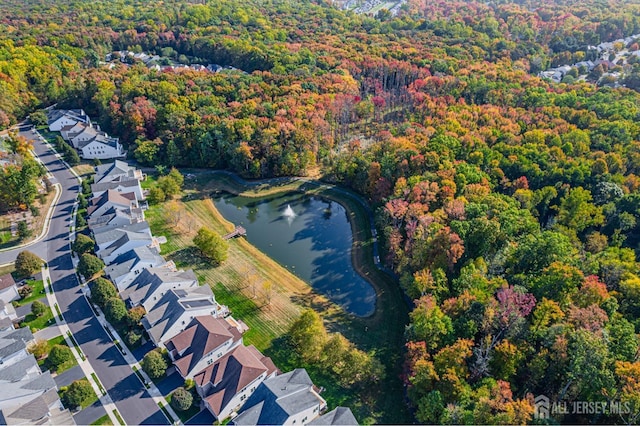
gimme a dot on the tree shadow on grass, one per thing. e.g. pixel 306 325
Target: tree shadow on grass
pixel 191 256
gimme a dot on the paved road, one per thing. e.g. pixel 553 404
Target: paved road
pixel 133 401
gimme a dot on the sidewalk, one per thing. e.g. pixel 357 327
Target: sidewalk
pixel 89 373
pixel 133 362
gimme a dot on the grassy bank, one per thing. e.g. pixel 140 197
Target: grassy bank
pixel 238 283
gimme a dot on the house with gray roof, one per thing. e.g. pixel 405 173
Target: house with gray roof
pixel 153 283
pixel 205 340
pixel 116 218
pixel 59 118
pixel 102 147
pixel 8 289
pixel 13 345
pixel 104 237
pixel 287 399
pixel 175 310
pixel 25 368
pixel 32 401
pixel 118 169
pixel 121 184
pixel 111 200
pixel 227 383
pixel 341 416
pixel 7 311
pixel 128 241
pixel 126 267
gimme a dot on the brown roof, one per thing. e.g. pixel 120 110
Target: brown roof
pixel 203 335
pixel 232 373
pixel 111 196
pixel 6 281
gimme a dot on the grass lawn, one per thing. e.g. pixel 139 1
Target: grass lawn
pixel 43 363
pixel 9 269
pixel 104 420
pixel 382 332
pixel 37 293
pixel 38 323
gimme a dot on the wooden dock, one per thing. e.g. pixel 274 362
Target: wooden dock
pixel 238 232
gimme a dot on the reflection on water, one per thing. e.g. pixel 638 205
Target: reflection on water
pixel 309 236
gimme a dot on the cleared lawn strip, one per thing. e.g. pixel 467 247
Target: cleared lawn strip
pixel 104 420
pixel 115 413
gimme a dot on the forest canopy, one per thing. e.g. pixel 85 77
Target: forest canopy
pixel 507 204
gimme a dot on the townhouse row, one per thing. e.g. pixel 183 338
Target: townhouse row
pixel 76 128
pixel 27 395
pixel 202 339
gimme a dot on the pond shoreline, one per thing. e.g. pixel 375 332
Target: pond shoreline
pixel 363 233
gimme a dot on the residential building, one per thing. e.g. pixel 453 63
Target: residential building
pixel 205 340
pixel 123 184
pixel 175 310
pixel 115 218
pixel 32 400
pixel 128 241
pixel 126 267
pixel 59 118
pixel 117 169
pixel 227 383
pixel 111 200
pixel 341 416
pixel 287 399
pixel 148 288
pixel 71 131
pixel 13 345
pixel 8 289
pixel 7 311
pixel 104 237
pixel 101 147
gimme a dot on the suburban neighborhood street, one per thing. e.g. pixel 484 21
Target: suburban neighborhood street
pixel 125 389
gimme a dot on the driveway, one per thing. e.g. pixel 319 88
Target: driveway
pixel 90 414
pixel 127 392
pixel 48 333
pixel 69 376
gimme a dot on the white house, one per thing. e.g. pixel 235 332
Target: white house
pixel 104 237
pixel 116 218
pixel 128 241
pixel 83 133
pixel 59 118
pixel 111 200
pixel 116 170
pixel 205 340
pixel 8 289
pixel 7 311
pixel 13 345
pixel 227 383
pixel 148 288
pixel 122 185
pixel 101 147
pixel 72 130
pixel 287 399
pixel 176 308
pixel 125 268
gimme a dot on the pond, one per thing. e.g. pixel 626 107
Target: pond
pixel 308 235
